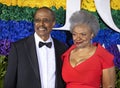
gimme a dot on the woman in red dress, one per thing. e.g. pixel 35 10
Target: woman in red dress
pixel 87 65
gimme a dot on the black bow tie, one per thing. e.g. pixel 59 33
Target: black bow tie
pixel 49 44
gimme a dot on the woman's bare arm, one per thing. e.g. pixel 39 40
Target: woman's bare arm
pixel 108 78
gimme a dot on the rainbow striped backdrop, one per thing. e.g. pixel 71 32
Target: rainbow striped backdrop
pixel 17 15
pixel 16 22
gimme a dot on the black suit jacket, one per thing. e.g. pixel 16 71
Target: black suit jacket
pixel 23 69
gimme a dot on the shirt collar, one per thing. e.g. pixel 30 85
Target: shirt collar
pixel 38 39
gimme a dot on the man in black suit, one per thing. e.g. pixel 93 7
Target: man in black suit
pixel 35 62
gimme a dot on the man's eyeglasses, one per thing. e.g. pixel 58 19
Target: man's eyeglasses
pixel 44 20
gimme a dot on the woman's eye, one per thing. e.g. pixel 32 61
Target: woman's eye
pixel 83 34
pixel 73 34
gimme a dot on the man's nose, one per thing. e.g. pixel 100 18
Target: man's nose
pixel 41 22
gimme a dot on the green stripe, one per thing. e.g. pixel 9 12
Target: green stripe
pixel 26 13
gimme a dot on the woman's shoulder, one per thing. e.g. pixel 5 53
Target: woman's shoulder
pixel 67 52
pixel 102 51
pixel 105 57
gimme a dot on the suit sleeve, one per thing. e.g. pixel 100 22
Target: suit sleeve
pixel 11 74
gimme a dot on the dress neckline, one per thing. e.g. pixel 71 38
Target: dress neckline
pixel 79 64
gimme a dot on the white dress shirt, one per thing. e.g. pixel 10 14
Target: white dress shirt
pixel 46 60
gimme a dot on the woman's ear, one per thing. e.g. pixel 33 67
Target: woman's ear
pixel 92 35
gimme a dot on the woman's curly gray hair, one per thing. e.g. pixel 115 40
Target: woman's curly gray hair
pixel 84 17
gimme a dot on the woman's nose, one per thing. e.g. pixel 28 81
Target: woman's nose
pixel 79 37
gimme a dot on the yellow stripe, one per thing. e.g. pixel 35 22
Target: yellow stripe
pixel 86 4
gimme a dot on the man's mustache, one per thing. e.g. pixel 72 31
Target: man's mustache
pixel 43 27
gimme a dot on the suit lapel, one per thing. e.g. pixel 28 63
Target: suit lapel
pixel 32 54
pixel 58 63
pixel 31 51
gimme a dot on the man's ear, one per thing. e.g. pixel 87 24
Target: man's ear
pixel 53 23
